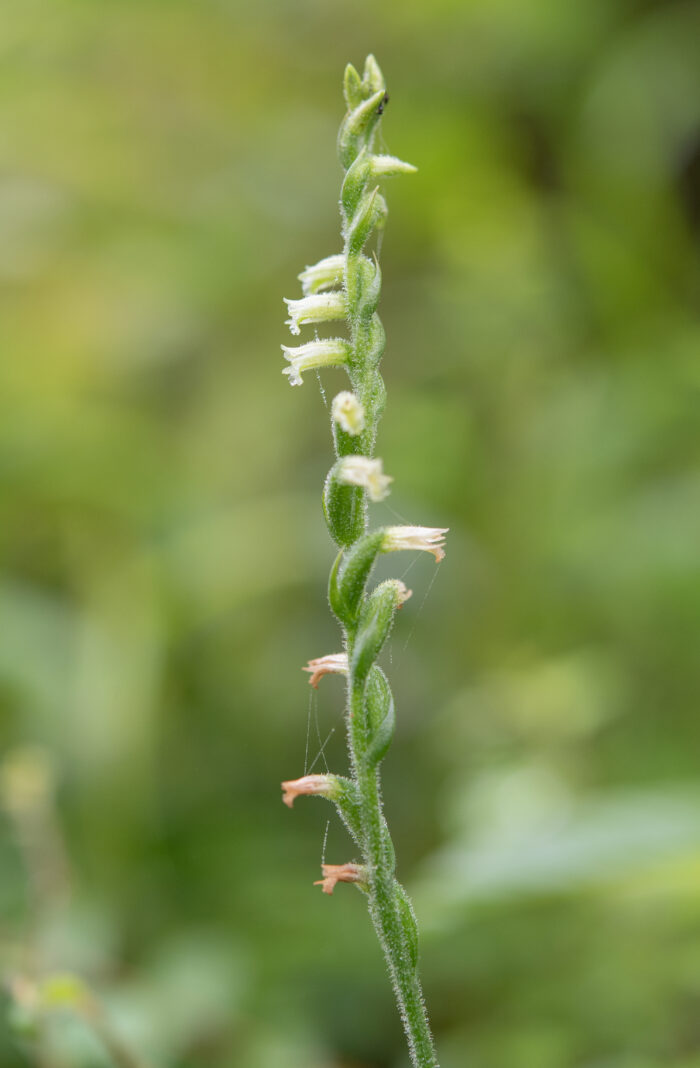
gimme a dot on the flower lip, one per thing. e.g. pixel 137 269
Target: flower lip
pixel 428 539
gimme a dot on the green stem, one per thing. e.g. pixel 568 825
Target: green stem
pixel 377 855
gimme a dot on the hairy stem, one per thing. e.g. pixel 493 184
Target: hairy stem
pixel 378 855
pixel 357 477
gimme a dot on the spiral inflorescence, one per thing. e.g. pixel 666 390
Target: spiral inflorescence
pixel 346 287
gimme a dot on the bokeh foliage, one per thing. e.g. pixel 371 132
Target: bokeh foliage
pixel 166 169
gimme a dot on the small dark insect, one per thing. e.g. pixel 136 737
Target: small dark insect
pixel 383 104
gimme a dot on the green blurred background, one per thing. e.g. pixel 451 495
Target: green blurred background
pixel 166 169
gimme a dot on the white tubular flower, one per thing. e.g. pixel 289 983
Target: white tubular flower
pixel 361 471
pixel 388 166
pixel 348 412
pixel 331 353
pixel 319 308
pixel 326 274
pixel 429 539
pixel 332 664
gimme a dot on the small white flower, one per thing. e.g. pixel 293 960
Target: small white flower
pixel 430 539
pixel 349 413
pixel 326 274
pixel 332 664
pixel 331 353
pixel 362 471
pixel 319 308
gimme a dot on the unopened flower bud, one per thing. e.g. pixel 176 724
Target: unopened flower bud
pixel 402 592
pixel 374 624
pixel 388 166
pixel 348 412
pixel 318 308
pixel 342 873
pixel 372 74
pixel 367 473
pixel 365 219
pixel 352 86
pixel 429 539
pixel 332 664
pixel 326 274
pixel 331 353
pixel 357 126
pixel 310 786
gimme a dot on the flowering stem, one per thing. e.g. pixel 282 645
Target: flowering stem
pixel 365 617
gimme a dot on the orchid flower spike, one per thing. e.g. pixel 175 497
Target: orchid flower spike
pixel 347 286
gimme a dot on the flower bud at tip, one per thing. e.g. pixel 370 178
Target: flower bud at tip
pixel 372 74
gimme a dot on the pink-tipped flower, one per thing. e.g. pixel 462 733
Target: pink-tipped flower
pixel 341 873
pixel 429 539
pixel 367 473
pixel 332 664
pixel 310 786
pixel 331 353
